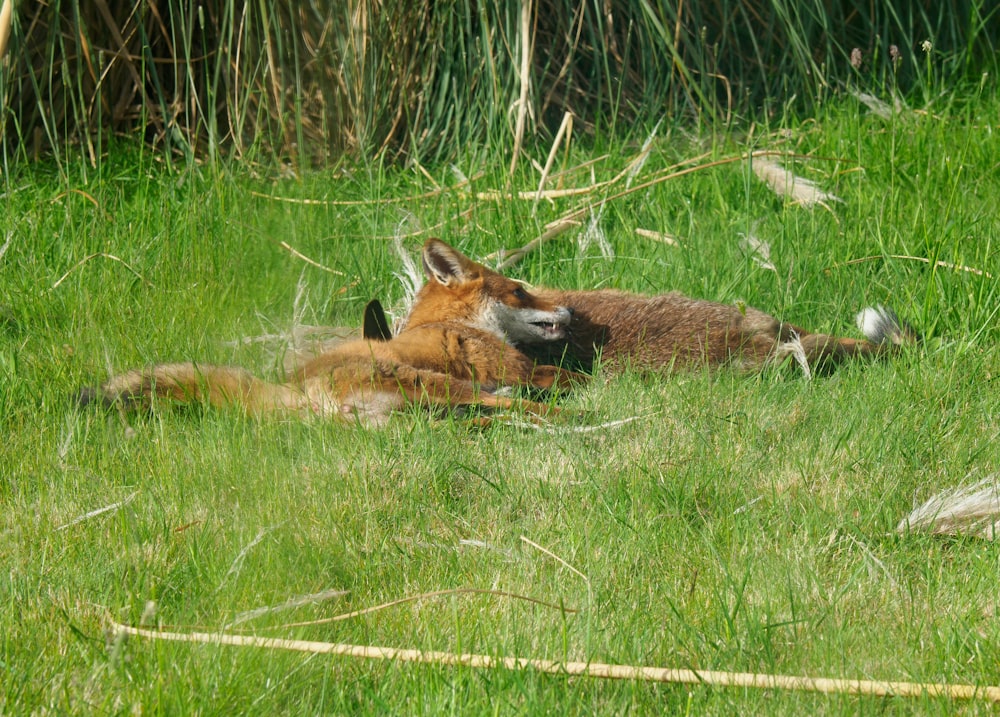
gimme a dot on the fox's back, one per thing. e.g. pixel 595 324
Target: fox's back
pixel 653 331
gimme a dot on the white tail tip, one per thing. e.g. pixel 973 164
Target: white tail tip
pixel 880 325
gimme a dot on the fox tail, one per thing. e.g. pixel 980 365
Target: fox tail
pixel 220 386
pixel 880 325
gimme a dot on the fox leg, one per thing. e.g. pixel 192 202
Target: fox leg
pixel 519 369
pixel 372 406
pixel 219 386
pixel 438 389
pixel 547 377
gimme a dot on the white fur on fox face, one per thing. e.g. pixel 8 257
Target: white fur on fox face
pixel 524 325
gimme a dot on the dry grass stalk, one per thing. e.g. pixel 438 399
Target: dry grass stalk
pixel 575 217
pixel 289 604
pixel 565 129
pixel 566 430
pixel 553 229
pixel 796 350
pixel 367 202
pixel 412 279
pixel 524 77
pixel 787 185
pixel 758 250
pixel 102 255
pixel 583 166
pixel 584 669
pixel 922 259
pixel 689 162
pixel 427 175
pixel 99 511
pixel 6 244
pixel 417 230
pixel 237 565
pixel 299 334
pixel 637 163
pixel 669 174
pixel 298 255
pixel 971 510
pixel 427 596
pixel 495 195
pixel 627 174
pixel 6 19
pixel 552 555
pixel 877 106
pixel 593 233
pixel 663 237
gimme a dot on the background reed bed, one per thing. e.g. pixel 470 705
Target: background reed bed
pixel 311 83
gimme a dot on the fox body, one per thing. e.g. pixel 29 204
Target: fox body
pixel 453 352
pixel 660 332
pixel 675 331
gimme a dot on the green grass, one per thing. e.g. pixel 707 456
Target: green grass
pixel 742 523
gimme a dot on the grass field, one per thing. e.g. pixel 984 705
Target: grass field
pixel 741 523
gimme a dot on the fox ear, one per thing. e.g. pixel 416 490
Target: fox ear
pixel 445 265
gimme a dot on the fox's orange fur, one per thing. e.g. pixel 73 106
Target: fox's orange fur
pixel 451 353
pixel 646 332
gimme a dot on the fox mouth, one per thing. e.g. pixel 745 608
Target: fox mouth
pixel 550 329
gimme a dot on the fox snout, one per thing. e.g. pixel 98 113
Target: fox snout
pixel 520 325
pixel 558 327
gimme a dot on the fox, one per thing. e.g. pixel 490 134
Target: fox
pixel 445 357
pixel 665 332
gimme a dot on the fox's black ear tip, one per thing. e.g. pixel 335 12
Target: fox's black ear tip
pixel 375 326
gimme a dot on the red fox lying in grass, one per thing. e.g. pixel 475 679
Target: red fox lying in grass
pixel 453 352
pixel 667 331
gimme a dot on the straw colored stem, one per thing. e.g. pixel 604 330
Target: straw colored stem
pixel 525 77
pixel 6 15
pixel 587 669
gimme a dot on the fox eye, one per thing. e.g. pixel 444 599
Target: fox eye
pixel 520 294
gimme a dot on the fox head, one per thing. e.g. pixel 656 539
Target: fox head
pixel 460 290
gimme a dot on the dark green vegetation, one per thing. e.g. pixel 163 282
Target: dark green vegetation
pixel 311 82
pixel 741 523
